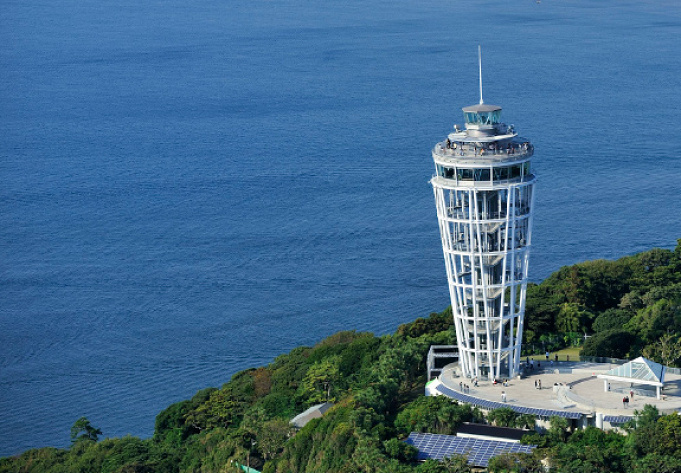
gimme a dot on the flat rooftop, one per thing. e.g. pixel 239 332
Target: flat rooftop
pixel 581 391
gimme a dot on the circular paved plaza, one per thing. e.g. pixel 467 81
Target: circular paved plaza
pixel 572 387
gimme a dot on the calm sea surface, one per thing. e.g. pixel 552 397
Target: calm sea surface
pixel 188 189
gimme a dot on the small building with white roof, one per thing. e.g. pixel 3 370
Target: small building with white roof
pixel 314 412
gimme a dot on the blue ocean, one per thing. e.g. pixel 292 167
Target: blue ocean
pixel 189 189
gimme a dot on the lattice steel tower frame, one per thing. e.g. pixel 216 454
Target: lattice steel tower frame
pixel 484 194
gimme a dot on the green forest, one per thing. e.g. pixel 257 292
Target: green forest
pixel 627 308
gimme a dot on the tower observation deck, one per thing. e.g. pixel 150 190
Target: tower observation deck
pixel 484 193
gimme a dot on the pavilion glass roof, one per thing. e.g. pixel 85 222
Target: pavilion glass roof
pixel 640 369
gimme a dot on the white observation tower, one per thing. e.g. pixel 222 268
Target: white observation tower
pixel 484 193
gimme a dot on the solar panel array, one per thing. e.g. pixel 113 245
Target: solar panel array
pixel 617 419
pixel 479 451
pixel 485 404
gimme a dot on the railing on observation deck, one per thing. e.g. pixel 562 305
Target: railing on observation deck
pixel 492 151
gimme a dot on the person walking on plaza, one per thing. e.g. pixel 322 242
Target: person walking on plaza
pixel 503 396
pixel 547 356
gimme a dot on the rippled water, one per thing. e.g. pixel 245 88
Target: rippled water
pixel 192 189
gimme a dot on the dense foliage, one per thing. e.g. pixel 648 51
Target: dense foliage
pixel 628 308
pixel 631 306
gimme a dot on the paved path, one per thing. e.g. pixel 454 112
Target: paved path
pixel 585 395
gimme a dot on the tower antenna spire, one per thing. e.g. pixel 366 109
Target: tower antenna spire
pixel 480 68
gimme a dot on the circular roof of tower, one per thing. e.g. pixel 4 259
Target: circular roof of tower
pixel 482 107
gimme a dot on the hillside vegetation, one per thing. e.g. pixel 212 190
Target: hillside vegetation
pixel 630 306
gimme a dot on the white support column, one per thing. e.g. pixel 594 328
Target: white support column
pixel 504 279
pixel 513 295
pixel 474 289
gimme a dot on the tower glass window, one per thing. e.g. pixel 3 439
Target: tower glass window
pixel 482 118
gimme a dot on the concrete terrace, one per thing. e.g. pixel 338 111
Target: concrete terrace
pixel 581 390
